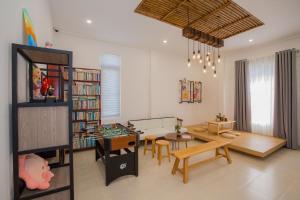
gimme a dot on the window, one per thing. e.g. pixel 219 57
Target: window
pixel 261 82
pixel 110 85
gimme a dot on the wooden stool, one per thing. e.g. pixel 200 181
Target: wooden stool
pixel 160 144
pixel 151 138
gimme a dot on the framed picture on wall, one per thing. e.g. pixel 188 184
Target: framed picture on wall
pixel 197 91
pixel 186 91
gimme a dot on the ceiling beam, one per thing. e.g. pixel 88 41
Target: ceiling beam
pixel 203 17
pixel 230 24
pixel 173 10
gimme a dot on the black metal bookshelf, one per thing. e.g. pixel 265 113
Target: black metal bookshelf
pixel 24 116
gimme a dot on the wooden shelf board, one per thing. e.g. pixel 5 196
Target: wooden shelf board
pixel 42 104
pixel 44 149
pixel 83 149
pixel 60 182
pixel 84 120
pixel 44 55
pixel 86 109
pixel 88 81
pixel 86 95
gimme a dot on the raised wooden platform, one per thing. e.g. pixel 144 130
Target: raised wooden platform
pixel 249 143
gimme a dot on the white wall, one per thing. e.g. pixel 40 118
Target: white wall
pixel 11 32
pixel 134 71
pixel 166 71
pixel 149 85
pixel 251 53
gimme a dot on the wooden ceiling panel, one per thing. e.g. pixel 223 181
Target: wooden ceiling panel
pixel 219 18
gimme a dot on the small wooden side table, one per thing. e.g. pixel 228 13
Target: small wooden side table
pixel 175 139
pixel 220 127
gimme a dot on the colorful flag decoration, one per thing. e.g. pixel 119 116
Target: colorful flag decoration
pixel 29 32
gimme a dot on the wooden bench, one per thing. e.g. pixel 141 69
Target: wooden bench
pixel 185 154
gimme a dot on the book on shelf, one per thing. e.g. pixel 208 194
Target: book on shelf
pixel 86 103
pixel 84 75
pixel 85 116
pixel 84 127
pixel 86 89
pixel 82 142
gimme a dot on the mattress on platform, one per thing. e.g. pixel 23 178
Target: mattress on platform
pixel 249 143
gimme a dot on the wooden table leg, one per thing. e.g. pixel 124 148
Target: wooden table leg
pixel 217 152
pixel 168 152
pixel 228 157
pixel 185 170
pixel 159 156
pixel 186 146
pixel 175 166
pixel 153 148
pixel 145 146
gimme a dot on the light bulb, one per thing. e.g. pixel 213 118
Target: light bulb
pixel 213 66
pixel 204 69
pixel 198 55
pixel 189 63
pixel 219 58
pixel 209 63
pixel 215 74
pixel 194 55
pixel 207 57
pixel 200 61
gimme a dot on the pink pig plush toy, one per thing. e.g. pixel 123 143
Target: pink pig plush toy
pixel 35 171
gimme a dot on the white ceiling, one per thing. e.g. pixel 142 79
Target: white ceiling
pixel 115 21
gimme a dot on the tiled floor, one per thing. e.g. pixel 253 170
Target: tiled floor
pixel 247 178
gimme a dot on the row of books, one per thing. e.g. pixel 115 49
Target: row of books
pixel 89 116
pixel 86 103
pixel 80 142
pixel 86 89
pixel 79 127
pixel 84 75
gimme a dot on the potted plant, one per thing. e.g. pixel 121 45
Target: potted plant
pixel 177 129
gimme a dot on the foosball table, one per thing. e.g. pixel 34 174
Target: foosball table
pixel 117 146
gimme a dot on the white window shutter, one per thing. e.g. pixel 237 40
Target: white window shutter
pixel 110 85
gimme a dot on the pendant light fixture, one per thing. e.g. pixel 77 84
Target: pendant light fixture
pixel 213 64
pixel 188 23
pixel 194 53
pixel 199 51
pixel 209 55
pixel 204 66
pixel 219 56
pixel 201 58
pixel 206 55
pixel 189 60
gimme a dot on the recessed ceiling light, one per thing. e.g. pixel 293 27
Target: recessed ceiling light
pixel 88 21
pixel 250 40
pixel 165 41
